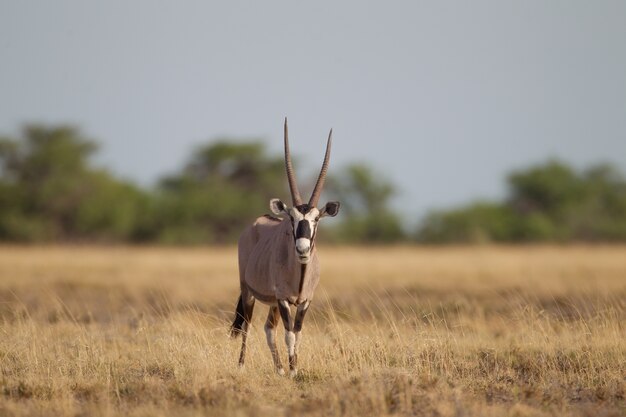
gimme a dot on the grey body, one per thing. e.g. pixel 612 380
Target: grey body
pixel 278 264
pixel 268 267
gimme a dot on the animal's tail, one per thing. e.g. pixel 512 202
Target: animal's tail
pixel 237 327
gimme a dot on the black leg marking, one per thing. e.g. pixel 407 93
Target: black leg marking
pixel 290 337
pixel 285 314
pixel 293 362
pixel 248 308
pixel 297 327
pixel 272 317
pixel 302 309
pixel 237 327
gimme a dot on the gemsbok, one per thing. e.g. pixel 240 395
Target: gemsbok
pixel 278 264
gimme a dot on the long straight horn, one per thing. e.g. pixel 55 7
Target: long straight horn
pixel 291 177
pixel 322 177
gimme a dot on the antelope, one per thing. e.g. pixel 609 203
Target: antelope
pixel 278 264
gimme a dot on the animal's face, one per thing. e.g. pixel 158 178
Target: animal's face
pixel 304 221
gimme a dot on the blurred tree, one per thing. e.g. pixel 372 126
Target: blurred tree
pixel 543 196
pixel 549 188
pixel 603 216
pixel 365 196
pixel 49 191
pixel 556 203
pixel 218 192
pixel 480 222
pixel 548 202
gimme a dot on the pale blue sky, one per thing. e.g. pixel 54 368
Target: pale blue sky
pixel 444 98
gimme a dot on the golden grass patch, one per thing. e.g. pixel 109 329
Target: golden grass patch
pixel 479 331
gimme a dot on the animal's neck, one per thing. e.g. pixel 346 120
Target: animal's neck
pixel 301 284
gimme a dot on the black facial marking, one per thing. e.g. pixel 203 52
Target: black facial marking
pixel 304 208
pixel 303 230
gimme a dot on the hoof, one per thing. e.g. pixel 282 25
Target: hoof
pixel 280 371
pixel 293 373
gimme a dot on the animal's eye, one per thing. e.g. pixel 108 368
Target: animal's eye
pixel 317 219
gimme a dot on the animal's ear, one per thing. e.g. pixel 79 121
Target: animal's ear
pixel 277 207
pixel 330 209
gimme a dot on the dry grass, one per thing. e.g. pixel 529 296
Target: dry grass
pixel 530 331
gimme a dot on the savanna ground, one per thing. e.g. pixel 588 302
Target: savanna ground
pixel 482 331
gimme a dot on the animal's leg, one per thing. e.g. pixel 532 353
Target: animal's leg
pixel 270 334
pixel 248 306
pixel 297 327
pixel 237 326
pixel 290 337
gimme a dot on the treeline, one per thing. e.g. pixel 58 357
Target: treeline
pixel 546 203
pixel 50 191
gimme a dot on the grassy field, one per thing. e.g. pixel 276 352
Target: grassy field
pixel 482 331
